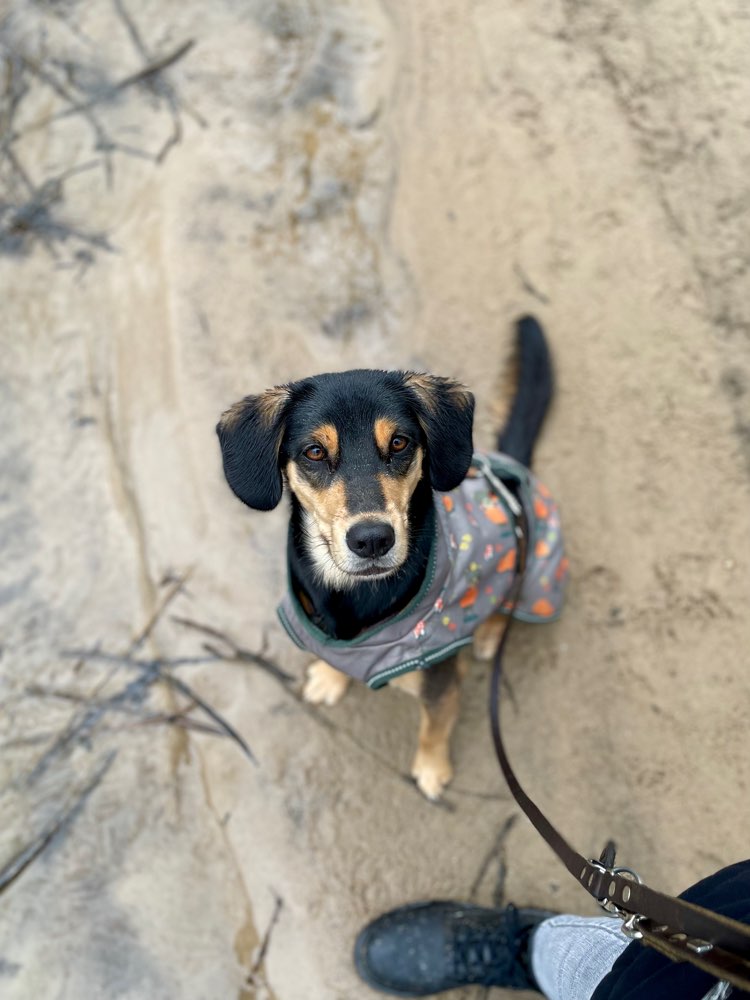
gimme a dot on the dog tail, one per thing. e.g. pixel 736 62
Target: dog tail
pixel 534 389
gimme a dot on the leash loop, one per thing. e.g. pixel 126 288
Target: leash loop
pixel 608 903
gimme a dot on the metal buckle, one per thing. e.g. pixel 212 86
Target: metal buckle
pixel 632 876
pixel 631 926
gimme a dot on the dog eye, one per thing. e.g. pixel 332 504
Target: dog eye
pixel 315 453
pixel 399 442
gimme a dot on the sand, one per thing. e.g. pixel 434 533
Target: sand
pixel 319 186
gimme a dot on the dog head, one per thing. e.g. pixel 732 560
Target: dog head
pixel 352 446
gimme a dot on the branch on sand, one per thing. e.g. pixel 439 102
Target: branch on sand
pixel 253 977
pixel 149 673
pixel 496 853
pixel 81 107
pixel 85 720
pixel 236 653
pixel 25 857
pixel 31 212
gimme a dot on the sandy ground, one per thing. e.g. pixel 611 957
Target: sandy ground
pixel 327 185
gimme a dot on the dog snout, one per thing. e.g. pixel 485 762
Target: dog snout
pixel 370 539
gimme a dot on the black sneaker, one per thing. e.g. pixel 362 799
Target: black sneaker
pixel 425 948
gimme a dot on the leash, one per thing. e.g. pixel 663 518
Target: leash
pixel 680 930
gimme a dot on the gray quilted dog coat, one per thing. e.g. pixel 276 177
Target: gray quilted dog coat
pixel 470 571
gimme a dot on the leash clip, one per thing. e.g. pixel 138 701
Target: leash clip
pixel 631 927
pixel 500 488
pixel 627 873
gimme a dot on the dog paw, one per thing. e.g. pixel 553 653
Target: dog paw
pixel 432 772
pixel 324 685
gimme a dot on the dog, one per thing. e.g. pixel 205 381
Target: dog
pixel 401 540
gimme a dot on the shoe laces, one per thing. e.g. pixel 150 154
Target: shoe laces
pixel 490 955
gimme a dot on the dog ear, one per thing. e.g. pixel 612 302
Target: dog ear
pixel 250 434
pixel 445 410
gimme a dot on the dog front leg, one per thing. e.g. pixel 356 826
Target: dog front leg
pixel 324 685
pixel 440 697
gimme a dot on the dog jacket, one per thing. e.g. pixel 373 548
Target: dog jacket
pixel 469 574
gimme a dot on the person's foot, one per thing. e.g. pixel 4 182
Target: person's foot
pixel 425 948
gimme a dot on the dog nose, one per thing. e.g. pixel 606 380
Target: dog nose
pixel 370 539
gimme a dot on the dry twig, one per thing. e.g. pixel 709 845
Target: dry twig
pixel 83 721
pixel 17 865
pixel 252 978
pixel 237 652
pixel 212 713
pixel 80 107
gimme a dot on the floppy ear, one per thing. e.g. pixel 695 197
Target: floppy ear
pixel 250 434
pixel 445 410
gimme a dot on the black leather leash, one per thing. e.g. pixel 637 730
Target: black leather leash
pixel 680 930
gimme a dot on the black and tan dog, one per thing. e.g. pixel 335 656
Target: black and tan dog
pixel 362 453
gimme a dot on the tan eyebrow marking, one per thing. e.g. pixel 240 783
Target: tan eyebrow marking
pixel 384 431
pixel 328 436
